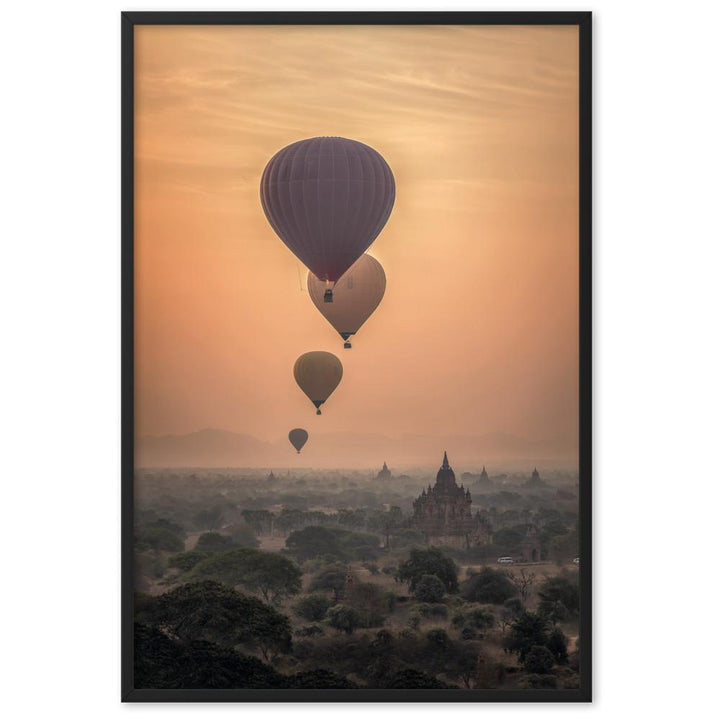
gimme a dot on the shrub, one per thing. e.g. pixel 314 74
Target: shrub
pixel 429 610
pixel 430 561
pixel 310 630
pixel 538 681
pixel 429 589
pixel 477 617
pixel 438 636
pixel 539 660
pixel 488 586
pixel 344 618
pixel 312 607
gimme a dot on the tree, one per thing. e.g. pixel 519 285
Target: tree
pixel 218 614
pixel 430 561
pixel 523 582
pixel 564 547
pixel 477 617
pixel 344 617
pixel 388 521
pixel 186 561
pixel 529 630
pixel 429 589
pixel 243 535
pixel 331 578
pixel 158 539
pixel 414 679
pixel 558 594
pixel 164 663
pixel 538 660
pixel 312 607
pixel 488 586
pixel 369 601
pixel 273 575
pixel 261 521
pixel 463 664
pixel 214 542
pixel 313 541
pixel 557 645
pixel 508 540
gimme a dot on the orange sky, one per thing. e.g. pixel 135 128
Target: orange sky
pixel 478 329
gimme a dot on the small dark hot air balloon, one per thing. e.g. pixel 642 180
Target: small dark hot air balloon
pixel 327 198
pixel 318 373
pixel 356 296
pixel 298 437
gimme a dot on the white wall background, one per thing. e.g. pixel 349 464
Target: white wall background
pixel 656 360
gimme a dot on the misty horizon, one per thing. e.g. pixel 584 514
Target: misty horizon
pixel 219 448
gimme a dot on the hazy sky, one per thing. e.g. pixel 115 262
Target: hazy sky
pixel 478 331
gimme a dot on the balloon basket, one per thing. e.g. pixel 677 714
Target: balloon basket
pixel 328 296
pixel 347 345
pixel 318 412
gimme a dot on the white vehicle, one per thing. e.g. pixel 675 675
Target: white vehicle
pixel 576 561
pixel 505 560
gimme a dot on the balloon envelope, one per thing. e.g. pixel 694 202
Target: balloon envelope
pixel 298 437
pixel 355 296
pixel 327 198
pixel 318 373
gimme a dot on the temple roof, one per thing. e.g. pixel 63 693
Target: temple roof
pixel 445 479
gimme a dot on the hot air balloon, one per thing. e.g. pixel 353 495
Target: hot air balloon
pixel 356 295
pixel 318 373
pixel 327 198
pixel 298 437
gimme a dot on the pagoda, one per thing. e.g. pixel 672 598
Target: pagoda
pixel 443 512
pixel 384 474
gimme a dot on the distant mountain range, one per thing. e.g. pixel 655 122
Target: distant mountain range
pixel 222 448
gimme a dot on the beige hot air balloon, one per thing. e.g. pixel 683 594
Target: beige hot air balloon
pixel 318 373
pixel 298 437
pixel 355 296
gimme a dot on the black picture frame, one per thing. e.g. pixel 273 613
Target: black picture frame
pixel 583 20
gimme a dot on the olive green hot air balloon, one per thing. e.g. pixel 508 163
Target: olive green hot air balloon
pixel 355 296
pixel 298 437
pixel 318 373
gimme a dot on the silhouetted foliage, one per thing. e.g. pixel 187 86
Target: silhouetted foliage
pixel 158 538
pixel 543 682
pixel 312 607
pixel 558 598
pixel 163 663
pixel 430 561
pixel 557 645
pixel 321 679
pixel 488 586
pixel 331 578
pixel 273 575
pixel 538 660
pixel 186 561
pixel 214 542
pixel 429 589
pixel 413 679
pixel 313 542
pixel 216 613
pixel 529 630
pixel 343 617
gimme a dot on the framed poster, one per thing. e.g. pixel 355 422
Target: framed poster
pixel 356 356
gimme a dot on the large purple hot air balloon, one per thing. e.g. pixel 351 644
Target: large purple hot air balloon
pixel 327 198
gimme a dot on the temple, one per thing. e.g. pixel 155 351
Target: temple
pixel 384 474
pixel 535 480
pixel 443 512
